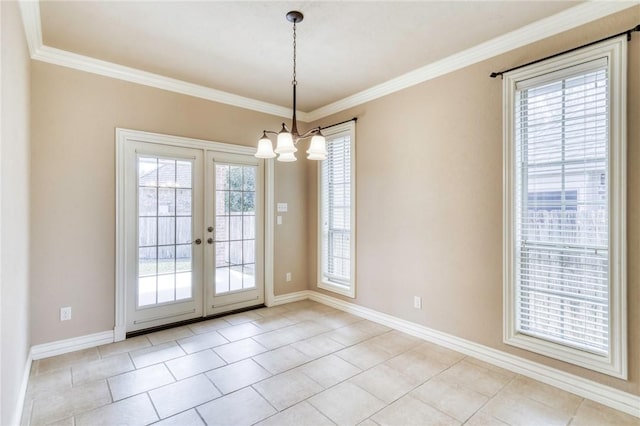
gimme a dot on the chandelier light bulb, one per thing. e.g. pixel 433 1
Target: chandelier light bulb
pixel 265 147
pixel 287 157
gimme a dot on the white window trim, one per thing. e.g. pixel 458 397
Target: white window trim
pixel 615 363
pixel 349 291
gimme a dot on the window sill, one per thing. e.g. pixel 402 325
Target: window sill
pixel 337 288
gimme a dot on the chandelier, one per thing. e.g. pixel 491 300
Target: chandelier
pixel 286 138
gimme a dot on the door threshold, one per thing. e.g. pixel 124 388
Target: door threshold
pixel 191 321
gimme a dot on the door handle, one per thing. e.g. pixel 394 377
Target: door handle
pixel 198 241
pixel 210 240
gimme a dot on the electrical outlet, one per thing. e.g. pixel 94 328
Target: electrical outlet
pixel 287 276
pixel 65 313
pixel 279 220
pixel 417 302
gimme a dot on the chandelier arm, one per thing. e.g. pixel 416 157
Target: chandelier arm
pixel 310 133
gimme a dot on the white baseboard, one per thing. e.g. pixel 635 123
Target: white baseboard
pixel 598 392
pixel 60 347
pixel 291 297
pixel 22 392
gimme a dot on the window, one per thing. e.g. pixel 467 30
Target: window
pixel 565 156
pixel 336 204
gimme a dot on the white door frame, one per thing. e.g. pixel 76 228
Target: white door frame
pixel 125 135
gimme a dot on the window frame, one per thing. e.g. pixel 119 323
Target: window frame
pixel 347 129
pixel 614 363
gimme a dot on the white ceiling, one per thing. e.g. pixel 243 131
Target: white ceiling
pixel 245 47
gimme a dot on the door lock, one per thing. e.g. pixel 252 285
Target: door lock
pixel 210 229
pixel 210 240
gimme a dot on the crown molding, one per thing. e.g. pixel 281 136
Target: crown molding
pixel 547 27
pixel 84 63
pixel 563 21
pixel 30 11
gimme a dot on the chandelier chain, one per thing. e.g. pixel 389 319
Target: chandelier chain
pixel 294 82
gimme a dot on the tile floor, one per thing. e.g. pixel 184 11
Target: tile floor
pixel 298 364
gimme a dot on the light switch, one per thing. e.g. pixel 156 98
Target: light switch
pixel 279 220
pixel 282 207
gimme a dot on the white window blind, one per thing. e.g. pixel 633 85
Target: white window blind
pixel 562 207
pixel 336 214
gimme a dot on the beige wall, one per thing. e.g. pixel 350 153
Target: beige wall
pixel 429 199
pixel 14 223
pixel 73 188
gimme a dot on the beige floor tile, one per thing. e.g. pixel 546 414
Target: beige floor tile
pixel 491 367
pixel 368 422
pixel 318 346
pixel 277 338
pixel 591 413
pixel 66 360
pixel 57 380
pixel 338 320
pixel 346 404
pixel 411 411
pixel 202 341
pixel 53 406
pixel 372 328
pixel 209 325
pixel 438 353
pixel 329 370
pixel 183 395
pixel 244 407
pixel 384 383
pixel 156 354
pixel 240 331
pixel 186 418
pixel 416 366
pixel 364 355
pixel 519 410
pixel 124 346
pixel 481 418
pixel 349 335
pixel 190 365
pixel 242 349
pixel 395 342
pixel 136 410
pixel 242 317
pixel 236 376
pixel 455 400
pixel 549 395
pixel 139 381
pixel 281 359
pixel 287 389
pixel 272 322
pixel 171 334
pixel 301 414
pixel 306 329
pixel 69 421
pixel 273 311
pixel 481 380
pixel 101 369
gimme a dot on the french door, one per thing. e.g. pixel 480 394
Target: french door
pixel 193 233
pixel 234 252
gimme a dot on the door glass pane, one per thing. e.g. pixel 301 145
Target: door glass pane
pixel 235 227
pixel 164 230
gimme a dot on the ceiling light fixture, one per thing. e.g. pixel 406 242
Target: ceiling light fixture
pixel 288 139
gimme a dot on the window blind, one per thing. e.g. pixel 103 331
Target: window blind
pixel 562 213
pixel 336 211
